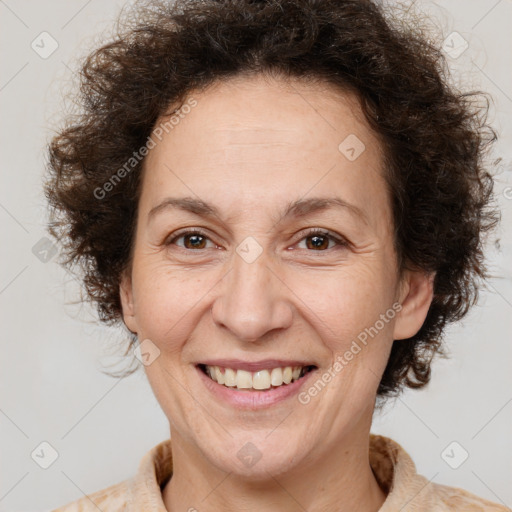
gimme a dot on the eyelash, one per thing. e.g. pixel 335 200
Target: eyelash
pixel 340 241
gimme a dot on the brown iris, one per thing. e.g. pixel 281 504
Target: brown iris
pixel 317 245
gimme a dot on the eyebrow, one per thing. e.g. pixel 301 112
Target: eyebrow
pixel 295 209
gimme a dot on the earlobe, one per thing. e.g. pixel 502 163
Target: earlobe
pixel 417 293
pixel 127 304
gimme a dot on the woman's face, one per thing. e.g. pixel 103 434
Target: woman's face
pixel 254 290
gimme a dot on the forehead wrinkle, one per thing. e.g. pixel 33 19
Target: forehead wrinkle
pixel 297 209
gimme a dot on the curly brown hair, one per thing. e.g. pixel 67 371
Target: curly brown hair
pixel 434 138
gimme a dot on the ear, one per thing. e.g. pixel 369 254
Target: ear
pixel 126 295
pixel 416 294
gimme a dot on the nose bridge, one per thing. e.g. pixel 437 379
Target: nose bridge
pixel 252 301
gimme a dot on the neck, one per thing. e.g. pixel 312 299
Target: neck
pixel 340 479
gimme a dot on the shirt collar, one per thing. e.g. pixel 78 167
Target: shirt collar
pixel 392 466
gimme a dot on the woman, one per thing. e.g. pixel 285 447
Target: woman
pixel 284 203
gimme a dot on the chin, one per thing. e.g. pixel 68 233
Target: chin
pixel 257 456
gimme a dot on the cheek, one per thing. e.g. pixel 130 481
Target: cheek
pixel 347 299
pixel 165 303
pixel 347 317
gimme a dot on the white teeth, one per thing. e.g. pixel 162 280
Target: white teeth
pixel 219 377
pixel 229 377
pixel 262 379
pixel 276 377
pixel 243 379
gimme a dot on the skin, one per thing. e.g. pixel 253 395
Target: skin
pixel 250 146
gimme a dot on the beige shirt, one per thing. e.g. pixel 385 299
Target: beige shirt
pixel 394 469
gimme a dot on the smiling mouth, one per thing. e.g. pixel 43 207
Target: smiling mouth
pixel 243 380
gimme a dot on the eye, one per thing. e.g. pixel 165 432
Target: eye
pixel 197 239
pixel 194 240
pixel 320 240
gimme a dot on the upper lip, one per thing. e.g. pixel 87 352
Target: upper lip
pixel 254 366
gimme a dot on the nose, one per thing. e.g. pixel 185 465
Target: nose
pixel 252 300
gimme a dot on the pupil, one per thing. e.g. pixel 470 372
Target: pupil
pixel 317 241
pixel 194 239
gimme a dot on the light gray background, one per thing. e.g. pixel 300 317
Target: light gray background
pixel 52 351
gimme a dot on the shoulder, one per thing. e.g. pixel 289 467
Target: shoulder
pixel 453 498
pixel 407 490
pixel 140 493
pixel 113 498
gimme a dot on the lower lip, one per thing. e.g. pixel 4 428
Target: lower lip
pixel 253 399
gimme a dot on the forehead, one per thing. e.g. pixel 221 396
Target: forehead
pixel 252 141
